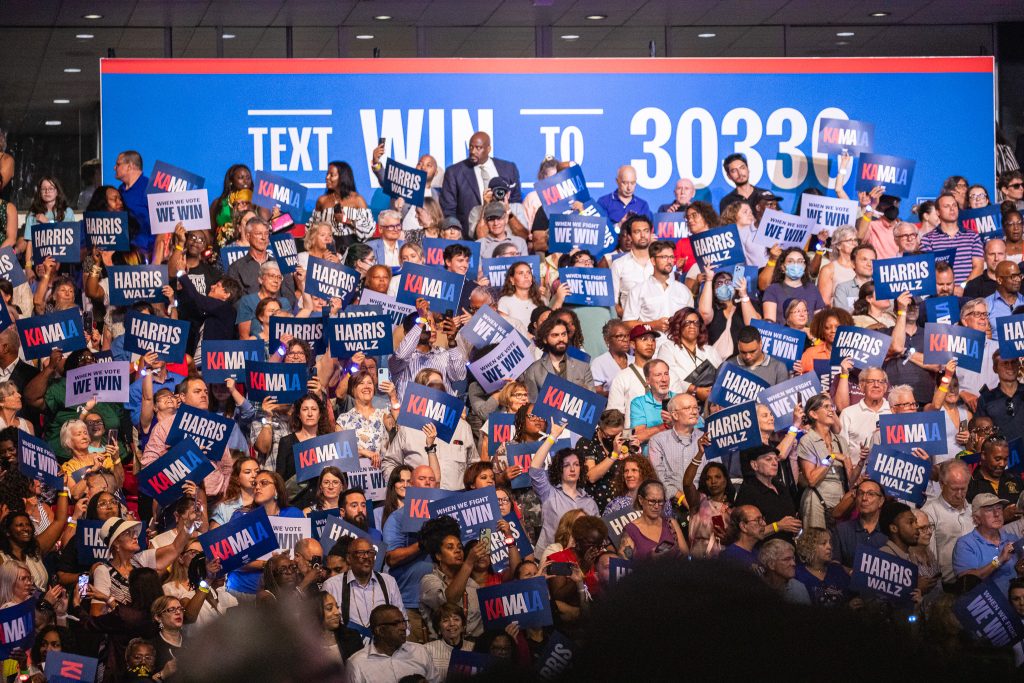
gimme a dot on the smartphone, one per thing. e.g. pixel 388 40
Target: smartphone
pixel 718 523
pixel 485 538
pixel 738 271
pixel 664 403
pixel 282 222
pixel 560 569
pixel 111 437
pixel 963 425
pixel 83 585
pixel 87 321
pixel 627 434
pixel 380 141
pixel 449 314
pixel 664 547
pixel 383 375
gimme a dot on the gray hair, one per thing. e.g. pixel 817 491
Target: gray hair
pixel 311 231
pixel 390 213
pixel 253 222
pixel 483 292
pixel 65 432
pixel 268 265
pixel 838 236
pixel 970 306
pixel 773 550
pixel 900 389
pixel 950 467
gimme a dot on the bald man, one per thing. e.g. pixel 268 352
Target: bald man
pixel 1007 295
pixel 466 181
pixel 683 194
pixel 623 201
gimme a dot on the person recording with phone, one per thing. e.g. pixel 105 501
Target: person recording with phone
pixel 649 414
pixel 652 535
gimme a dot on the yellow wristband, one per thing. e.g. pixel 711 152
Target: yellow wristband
pixel 944 390
pixel 178 247
pixel 775 527
pixel 771 264
pixel 899 313
pixel 841 376
pixel 62 493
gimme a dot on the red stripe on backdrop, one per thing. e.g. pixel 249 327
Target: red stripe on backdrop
pixel 772 65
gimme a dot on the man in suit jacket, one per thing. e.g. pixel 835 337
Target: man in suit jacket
pixel 466 182
pixel 553 338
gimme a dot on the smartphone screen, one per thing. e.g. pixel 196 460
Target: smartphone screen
pixel 83 584
pixel 718 522
pixel 111 436
pixel 560 569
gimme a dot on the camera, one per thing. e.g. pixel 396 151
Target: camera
pixel 499 193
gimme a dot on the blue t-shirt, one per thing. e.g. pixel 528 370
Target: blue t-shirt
pixel 739 556
pixel 829 592
pixel 407 575
pixel 247 307
pixel 137 203
pixel 248 581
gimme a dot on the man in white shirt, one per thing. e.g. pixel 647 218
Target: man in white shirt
pixel 390 658
pixel 950 514
pixel 658 297
pixel 860 420
pixel 606 366
pixel 366 589
pixel 632 269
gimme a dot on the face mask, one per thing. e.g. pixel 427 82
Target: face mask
pixel 794 271
pixel 723 292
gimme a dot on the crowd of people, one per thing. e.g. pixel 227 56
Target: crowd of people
pixel 645 486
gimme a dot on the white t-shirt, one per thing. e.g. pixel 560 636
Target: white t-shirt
pixel 519 309
pixel 604 368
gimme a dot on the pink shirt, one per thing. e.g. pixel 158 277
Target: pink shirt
pixel 215 483
pixel 880 237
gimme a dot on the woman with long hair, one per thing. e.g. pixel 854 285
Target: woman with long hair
pixel 839 269
pixel 957 186
pixel 741 215
pixel 371 424
pixel 10 406
pixel 329 486
pixel 519 293
pixel 956 414
pixel 872 313
pixel 720 300
pixel 395 496
pixel 509 399
pixel 451 580
pixel 822 334
pixel 307 420
pixel 129 618
pixel 237 179
pixel 790 280
pixel 241 488
pixel 317 241
pixel 341 194
pixel 20 542
pixel 652 534
pixel 633 471
pixel 429 220
pixel 49 205
pixel 329 618
pixel 563 533
pixel 689 355
pixel 709 503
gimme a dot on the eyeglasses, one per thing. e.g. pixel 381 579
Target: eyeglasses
pixel 755 520
pixel 1012 276
pixel 173 610
pixel 873 381
pixel 656 502
pixel 906 235
pixel 520 394
pixel 395 226
pixel 868 494
pixel 977 195
pixel 1014 224
pixel 926 527
pixel 688 323
pixel 907 404
pixel 619 336
pixel 976 314
pixel 363 553
pixel 1016 186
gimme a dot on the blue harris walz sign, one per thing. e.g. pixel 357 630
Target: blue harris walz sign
pixel 129 284
pixel 1011 336
pixel 867 348
pixel 404 182
pixel 329 280
pixel 718 247
pixel 367 334
pixel 914 273
pixel 208 430
pixel 902 475
pixel 883 576
pixel 60 241
pixel 734 385
pixel 107 230
pixel 152 334
pixel 734 427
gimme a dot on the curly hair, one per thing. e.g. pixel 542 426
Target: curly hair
pixel 731 212
pixel 707 212
pixel 323 426
pixel 558 462
pixel 646 472
pixel 31 548
pixel 821 318
pixel 509 287
pixel 519 423
pixel 808 541
pixel 675 326
pixel 779 274
pixel 546 328
pixel 433 533
pixel 576 338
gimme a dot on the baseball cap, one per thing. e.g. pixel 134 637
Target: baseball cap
pixel 768 196
pixel 498 181
pixel 984 500
pixel 640 330
pixel 494 210
pixel 451 222
pixel 114 527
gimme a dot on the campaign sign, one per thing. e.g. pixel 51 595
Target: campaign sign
pixel 560 400
pixel 5 316
pixel 319 518
pixel 329 280
pixel 391 308
pixel 500 429
pixel 107 230
pixel 231 253
pixel 433 252
pixel 286 382
pixel 838 136
pixel 588 286
pixel 828 213
pixel 466 663
pixel 404 182
pixel 40 334
pixel 944 310
pixel 417 500
pixel 240 541
pixel 371 480
pixel 894 174
pixel 618 569
pixel 783 229
pixel 781 342
pixel 336 449
pixel 289 531
pixel 671 226
pixel 421 405
pixel 925 430
pixel 499 551
pixel 167 178
pixel 573 231
pixel 206 429
pixel 224 358
pixel 986 221
pixel 36 460
pixel 524 601
pixel 285 252
pixel 108 382
pixel 10 268
pixel 509 360
pixel 867 348
pixel 89 539
pixel 487 326
pixel 734 428
pixel 60 241
pixel 149 333
pixel 718 247
pixel 191 208
pixel 1011 336
pixel 17 627
pixel 914 273
pixel 617 521
pixel 902 475
pixel 734 385
pixel 783 398
pixel 441 288
pixel 558 192
pixel 274 191
pixel 556 657
pixel 310 330
pixel 474 510
pixel 495 269
pixel 129 284
pixel 946 255
pixel 986 613
pixel 369 334
pixel 883 575
pixel 942 342
pixel 164 478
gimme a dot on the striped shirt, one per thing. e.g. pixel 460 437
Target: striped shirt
pixel 966 243
pixel 408 360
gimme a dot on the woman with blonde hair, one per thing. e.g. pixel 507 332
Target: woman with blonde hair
pixel 563 533
pixel 839 269
pixel 10 405
pixel 507 400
